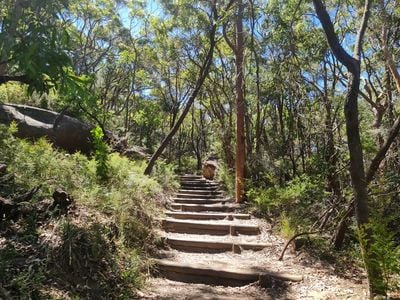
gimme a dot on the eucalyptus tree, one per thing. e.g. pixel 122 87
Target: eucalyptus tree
pixel 357 171
pixel 238 49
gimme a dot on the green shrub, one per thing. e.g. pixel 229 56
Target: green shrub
pixel 39 164
pixel 100 154
pixel 227 178
pixel 287 226
pixel 12 92
pixel 303 190
pixel 8 143
pixel 298 199
pixel 165 175
pixel 131 270
pixel 187 164
pixel 134 227
pixel 266 200
pixel 384 252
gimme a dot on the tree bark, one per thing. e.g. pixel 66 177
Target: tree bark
pixel 259 120
pixel 203 74
pixel 20 78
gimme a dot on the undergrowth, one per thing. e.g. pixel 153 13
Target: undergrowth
pixel 225 176
pixel 296 208
pixel 299 200
pixel 99 248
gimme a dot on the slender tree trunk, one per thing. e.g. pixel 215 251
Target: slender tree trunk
pixel 357 171
pixel 258 131
pixel 384 147
pixel 372 169
pixel 203 74
pixel 240 106
pixel 331 155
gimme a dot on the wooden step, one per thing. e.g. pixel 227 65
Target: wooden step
pixel 201 201
pixel 189 180
pixel 206 216
pixel 200 192
pixel 191 177
pixel 201 196
pixel 212 246
pixel 220 274
pixel 202 188
pixel 211 228
pixel 205 207
pixel 198 183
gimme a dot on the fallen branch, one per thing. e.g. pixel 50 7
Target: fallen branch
pixel 12 208
pixel 26 196
pixel 20 78
pixel 293 238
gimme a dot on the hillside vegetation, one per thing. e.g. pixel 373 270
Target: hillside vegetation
pixel 97 246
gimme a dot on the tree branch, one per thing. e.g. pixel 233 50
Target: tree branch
pixel 227 39
pixel 332 38
pixel 292 239
pixel 362 29
pixel 19 78
pixel 380 155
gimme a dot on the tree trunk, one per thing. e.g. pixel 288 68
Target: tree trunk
pixel 258 133
pixel 330 154
pixel 357 171
pixel 384 147
pixel 240 106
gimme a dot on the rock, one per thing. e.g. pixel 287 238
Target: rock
pixel 209 168
pixel 135 153
pixel 63 131
pixel 3 168
pixel 7 209
pixel 62 200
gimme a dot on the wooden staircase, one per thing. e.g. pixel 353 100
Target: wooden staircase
pixel 202 220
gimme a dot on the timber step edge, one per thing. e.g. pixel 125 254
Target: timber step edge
pixel 210 228
pixel 204 207
pixel 201 201
pixel 198 183
pixel 222 275
pixel 213 188
pixel 206 216
pixel 191 175
pixel 193 195
pixel 199 192
pixel 212 246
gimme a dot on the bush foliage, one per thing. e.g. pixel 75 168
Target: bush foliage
pixel 115 232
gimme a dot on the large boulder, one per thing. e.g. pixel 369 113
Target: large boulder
pixel 63 131
pixel 209 168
